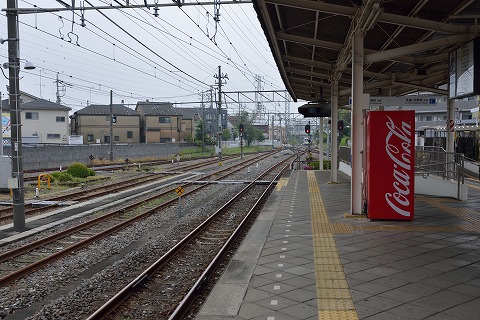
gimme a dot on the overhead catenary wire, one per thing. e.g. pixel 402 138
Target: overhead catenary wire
pixel 148 48
pixel 146 61
pixel 170 35
pixel 99 54
pixel 104 56
pixel 223 52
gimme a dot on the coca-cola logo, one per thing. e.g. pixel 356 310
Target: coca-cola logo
pixel 398 147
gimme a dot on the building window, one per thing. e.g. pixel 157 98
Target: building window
pixel 116 138
pixel 53 135
pixel 466 116
pixel 426 118
pixel 90 137
pixel 163 119
pixel 429 133
pixel 31 115
pixel 129 134
pixel 60 119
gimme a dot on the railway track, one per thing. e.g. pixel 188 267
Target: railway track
pixel 18 263
pixel 93 192
pixel 168 287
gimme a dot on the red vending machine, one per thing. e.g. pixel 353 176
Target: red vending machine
pixel 390 158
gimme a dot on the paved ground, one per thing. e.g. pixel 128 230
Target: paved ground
pixel 305 259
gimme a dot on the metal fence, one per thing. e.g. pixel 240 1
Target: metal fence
pixel 428 161
pixel 447 165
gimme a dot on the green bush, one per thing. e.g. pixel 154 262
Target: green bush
pixel 79 170
pixel 315 165
pixel 61 177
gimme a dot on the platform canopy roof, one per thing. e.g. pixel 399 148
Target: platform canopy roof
pixel 406 43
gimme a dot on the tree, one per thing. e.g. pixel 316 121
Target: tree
pixel 199 132
pixel 226 135
pixel 250 132
pixel 199 135
pixel 345 116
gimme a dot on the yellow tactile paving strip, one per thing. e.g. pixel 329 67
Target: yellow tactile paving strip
pixel 468 215
pixel 333 295
pixel 411 228
pixel 282 183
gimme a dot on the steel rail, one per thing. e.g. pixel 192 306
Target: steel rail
pixel 75 247
pixel 108 189
pixel 114 302
pixel 183 307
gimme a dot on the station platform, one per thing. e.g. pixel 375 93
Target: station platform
pixel 306 258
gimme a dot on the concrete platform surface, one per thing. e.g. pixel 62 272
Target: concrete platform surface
pixel 306 258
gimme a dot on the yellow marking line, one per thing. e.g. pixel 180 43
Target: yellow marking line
pixel 473 186
pixel 470 217
pixel 407 228
pixel 282 183
pixel 334 299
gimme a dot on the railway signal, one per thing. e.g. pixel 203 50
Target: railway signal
pixel 307 129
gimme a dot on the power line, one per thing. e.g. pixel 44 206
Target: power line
pixel 145 46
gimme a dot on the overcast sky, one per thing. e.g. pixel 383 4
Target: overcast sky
pixel 172 57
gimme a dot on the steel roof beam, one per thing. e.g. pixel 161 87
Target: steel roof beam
pixel 383 17
pixel 309 41
pixel 262 7
pixel 418 47
pixel 308 73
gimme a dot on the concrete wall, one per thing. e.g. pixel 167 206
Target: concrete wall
pixel 54 156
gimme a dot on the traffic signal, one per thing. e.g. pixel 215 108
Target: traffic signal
pixel 340 125
pixel 307 128
pixel 240 128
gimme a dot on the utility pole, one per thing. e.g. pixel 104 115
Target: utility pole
pixel 16 126
pixel 203 123
pixel 111 126
pixel 220 81
pixel 1 127
pixel 213 127
pixel 281 132
pixel 273 131
pixel 61 88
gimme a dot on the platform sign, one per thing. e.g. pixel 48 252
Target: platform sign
pixel 404 101
pixel 464 70
pixel 179 190
pixel 6 125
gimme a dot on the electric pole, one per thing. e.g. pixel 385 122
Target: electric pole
pixel 16 128
pixel 111 127
pixel 220 82
pixel 60 89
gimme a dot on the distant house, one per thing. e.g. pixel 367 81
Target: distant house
pixel 93 123
pixel 210 116
pixel 190 118
pixel 42 121
pixel 161 122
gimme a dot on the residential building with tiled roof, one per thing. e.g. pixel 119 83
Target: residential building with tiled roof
pixel 162 122
pixel 42 121
pixel 93 123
